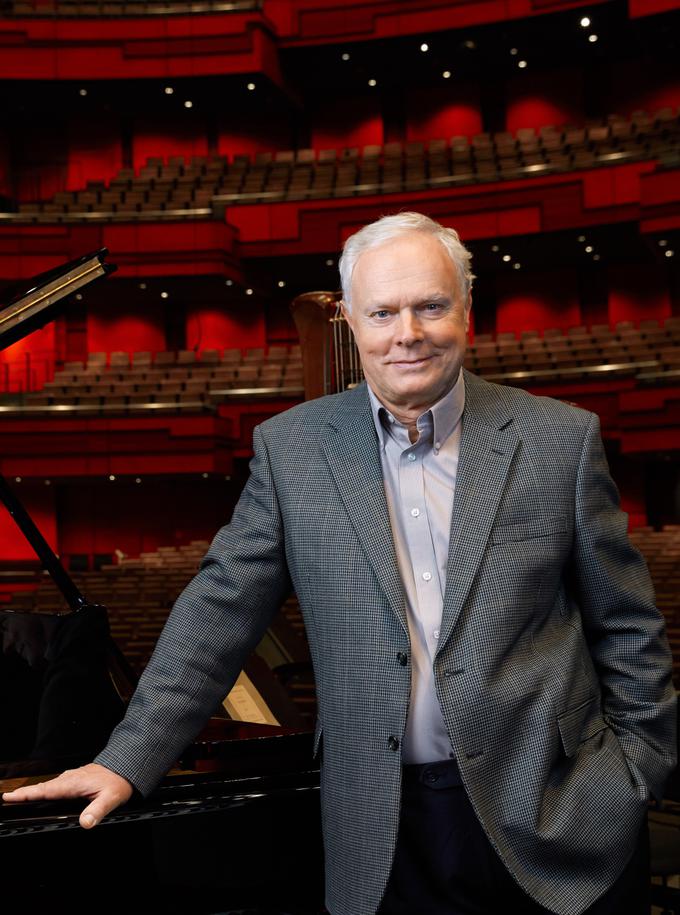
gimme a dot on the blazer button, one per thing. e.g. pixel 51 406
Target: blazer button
pixel 402 658
pixel 393 743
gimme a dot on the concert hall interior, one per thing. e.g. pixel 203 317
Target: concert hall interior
pixel 222 151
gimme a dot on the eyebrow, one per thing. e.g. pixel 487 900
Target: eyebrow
pixel 440 297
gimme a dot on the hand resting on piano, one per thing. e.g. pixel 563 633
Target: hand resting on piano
pixel 105 789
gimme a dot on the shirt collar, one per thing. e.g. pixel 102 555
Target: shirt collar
pixel 446 413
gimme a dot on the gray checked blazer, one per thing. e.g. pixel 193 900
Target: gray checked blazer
pixel 553 668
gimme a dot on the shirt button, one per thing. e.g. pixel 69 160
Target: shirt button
pixel 402 657
pixel 393 743
pixel 436 633
pixel 427 576
pixel 415 512
pixel 437 446
pixel 412 457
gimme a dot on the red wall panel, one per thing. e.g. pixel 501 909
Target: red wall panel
pixel 29 363
pixel 243 134
pixel 348 122
pixel 130 329
pixel 38 499
pixel 449 111
pixel 184 135
pixel 537 301
pixel 94 153
pixel 536 100
pixel 637 292
pixel 212 327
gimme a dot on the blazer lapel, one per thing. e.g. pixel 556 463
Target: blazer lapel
pixel 488 445
pixel 352 451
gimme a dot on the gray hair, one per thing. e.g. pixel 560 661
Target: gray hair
pixel 388 227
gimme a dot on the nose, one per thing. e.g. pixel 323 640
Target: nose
pixel 409 328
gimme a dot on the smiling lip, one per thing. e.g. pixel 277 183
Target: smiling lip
pixel 410 361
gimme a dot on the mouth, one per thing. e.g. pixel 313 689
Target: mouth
pixel 410 362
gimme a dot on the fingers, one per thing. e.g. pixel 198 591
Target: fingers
pixel 105 790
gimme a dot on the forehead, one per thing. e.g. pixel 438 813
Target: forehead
pixel 411 265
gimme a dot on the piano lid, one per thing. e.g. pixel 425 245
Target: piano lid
pixel 30 308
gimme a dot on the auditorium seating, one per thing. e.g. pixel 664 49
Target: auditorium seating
pixel 204 185
pixel 104 8
pixel 184 380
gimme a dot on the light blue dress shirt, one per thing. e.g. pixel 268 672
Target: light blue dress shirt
pixel 420 480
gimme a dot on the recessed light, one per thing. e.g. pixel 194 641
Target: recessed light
pixel 424 47
pixel 596 257
pixel 188 104
pixel 138 479
pixel 164 295
pixel 588 249
pixel 79 297
pixel 330 262
pixel 281 284
pixel 507 258
pixel 112 477
pixel 228 282
pixel 516 266
pixel 142 285
pixel 581 238
pixel 48 482
pixel 495 248
pixel 470 45
pixel 663 242
pixel 592 38
pixel 169 90
pixel 446 74
pixel 345 56
pixel 249 291
pixel 205 476
pixel 82 92
pixel 585 22
pixel 522 64
pixel 669 252
pixel 514 51
pixel 372 82
pixel 250 87
pixel 17 479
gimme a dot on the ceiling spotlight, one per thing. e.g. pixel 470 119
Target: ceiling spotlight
pixel 372 82
pixel 669 252
pixel 82 92
pixel 330 262
pixel 250 87
pixel 446 74
pixel 142 285
pixel 48 482
pixel 112 477
pixel 205 476
pixel 588 249
pixel 169 90
pixel 188 104
pixel 585 22
pixel 516 265
pixel 592 38
pixel 424 47
pixel 581 238
pixel 138 479
pixel 495 248
pixel 470 45
pixel 345 56
pixel 249 291
pixel 522 64
pixel 663 242
pixel 596 257
pixel 17 479
pixel 79 297
pixel 514 51
pixel 281 284
pixel 228 282
pixel 507 258
pixel 164 295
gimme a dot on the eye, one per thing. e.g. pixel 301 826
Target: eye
pixel 433 306
pixel 381 313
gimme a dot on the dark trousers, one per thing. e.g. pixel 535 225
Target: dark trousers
pixel 445 865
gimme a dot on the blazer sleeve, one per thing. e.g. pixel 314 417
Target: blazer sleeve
pixel 214 625
pixel 624 629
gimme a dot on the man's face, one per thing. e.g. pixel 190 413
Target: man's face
pixel 409 320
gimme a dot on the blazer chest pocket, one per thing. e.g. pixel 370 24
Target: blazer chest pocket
pixel 528 529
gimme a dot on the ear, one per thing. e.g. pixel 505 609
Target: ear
pixel 468 306
pixel 347 315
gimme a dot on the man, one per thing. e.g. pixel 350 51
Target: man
pixel 493 677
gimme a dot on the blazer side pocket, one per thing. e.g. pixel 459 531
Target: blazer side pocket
pixel 578 724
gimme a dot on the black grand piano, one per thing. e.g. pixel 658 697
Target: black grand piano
pixel 234 827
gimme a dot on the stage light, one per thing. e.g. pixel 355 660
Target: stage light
pixel 585 22
pixel 82 92
pixel 249 291
pixel 592 38
pixel 250 87
pixel 188 104
pixel 669 252
pixel 446 74
pixel 281 284
pixel 164 295
pixel 372 82
pixel 169 90
pixel 424 47
pixel 522 64
pixel 507 258
pixel 588 249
